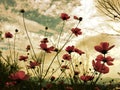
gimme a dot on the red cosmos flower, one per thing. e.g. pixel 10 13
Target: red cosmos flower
pixel 45 48
pixel 8 35
pixel 33 64
pixel 67 57
pixel 64 67
pixel 28 48
pixel 64 16
pixel 70 49
pixel 76 31
pixel 102 68
pixel 20 75
pixel 78 18
pixel 107 59
pixel 52 78
pixel 45 40
pixel 79 51
pixel 86 78
pixel 103 47
pixel 24 58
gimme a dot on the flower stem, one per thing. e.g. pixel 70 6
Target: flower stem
pixel 56 56
pixel 29 37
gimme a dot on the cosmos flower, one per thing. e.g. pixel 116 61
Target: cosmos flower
pixel 45 48
pixel 64 16
pixel 8 35
pixel 76 31
pixel 24 58
pixel 67 57
pixel 102 68
pixel 45 40
pixel 70 49
pixel 80 52
pixel 103 47
pixel 108 60
pixel 33 64
pixel 28 48
pixel 77 18
pixel 52 78
pixel 64 67
pixel 86 78
pixel 20 75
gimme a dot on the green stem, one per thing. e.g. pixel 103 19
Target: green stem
pixel 61 33
pixel 56 55
pixel 29 37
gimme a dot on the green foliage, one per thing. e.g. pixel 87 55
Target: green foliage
pixel 8 2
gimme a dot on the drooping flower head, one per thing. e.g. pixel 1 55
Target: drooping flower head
pixel 103 47
pixel 76 31
pixel 8 35
pixel 64 16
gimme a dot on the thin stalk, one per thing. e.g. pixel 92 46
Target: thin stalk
pixel 14 47
pixel 28 37
pixel 10 50
pixel 60 33
pixel 43 60
pixel 56 55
